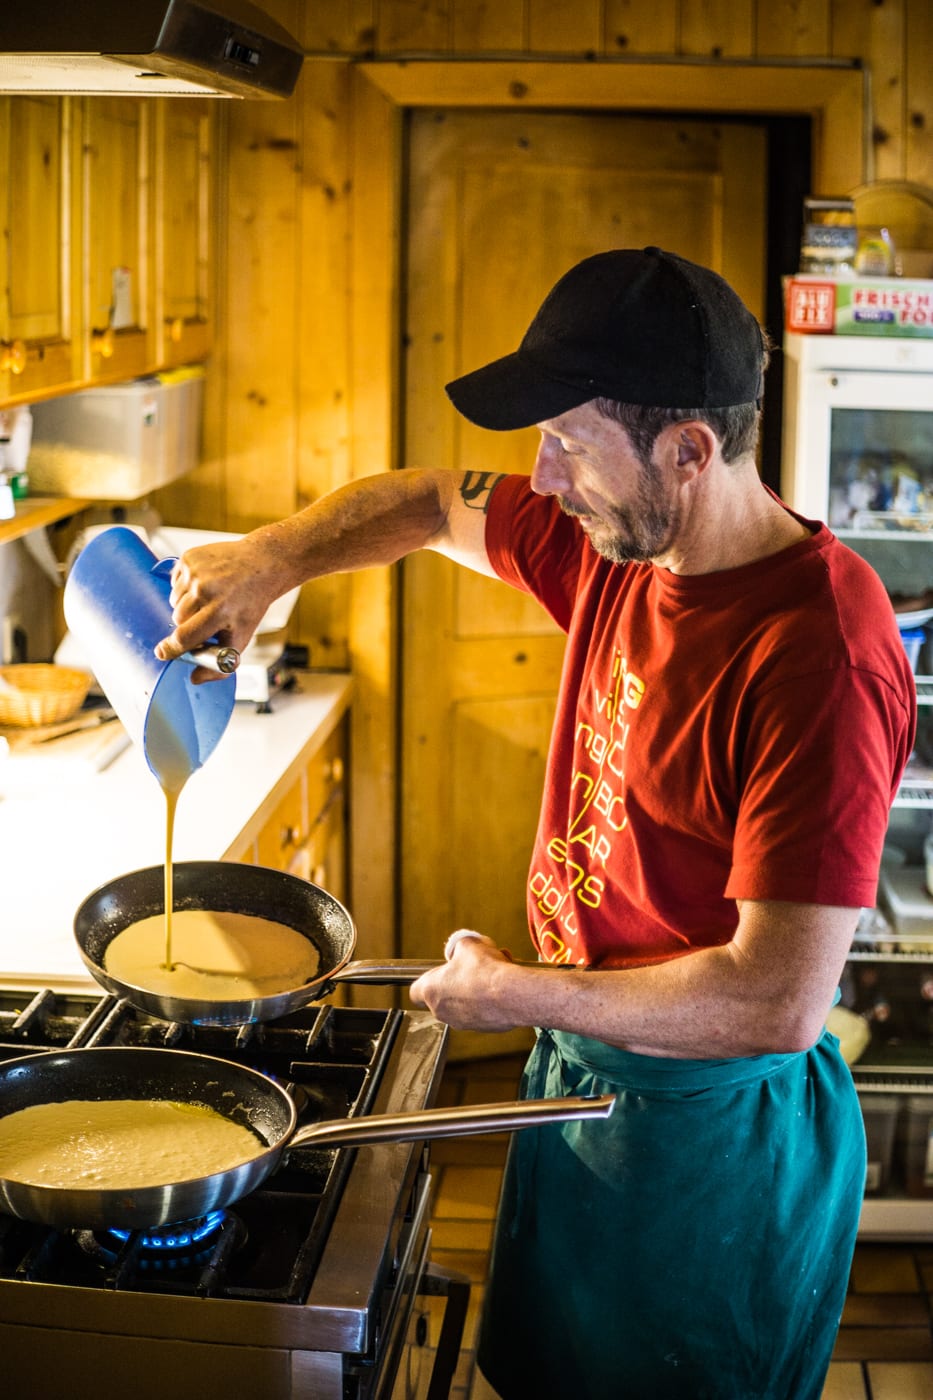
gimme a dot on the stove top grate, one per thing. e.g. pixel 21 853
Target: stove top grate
pixel 270 1242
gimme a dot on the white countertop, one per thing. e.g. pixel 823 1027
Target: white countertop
pixel 59 844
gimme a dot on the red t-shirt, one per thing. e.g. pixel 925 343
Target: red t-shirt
pixel 724 736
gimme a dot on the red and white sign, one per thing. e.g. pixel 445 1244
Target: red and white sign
pixel 811 307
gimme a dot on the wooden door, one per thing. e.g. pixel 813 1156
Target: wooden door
pixel 499 206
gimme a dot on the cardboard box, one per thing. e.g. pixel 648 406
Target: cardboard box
pixel 886 306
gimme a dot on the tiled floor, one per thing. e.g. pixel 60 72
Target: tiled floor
pixel 885 1345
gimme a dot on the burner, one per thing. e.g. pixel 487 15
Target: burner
pixel 181 1235
pixel 179 1245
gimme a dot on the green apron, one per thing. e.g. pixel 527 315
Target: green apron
pixel 694 1246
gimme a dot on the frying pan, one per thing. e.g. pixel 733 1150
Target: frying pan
pixel 228 887
pixel 239 1093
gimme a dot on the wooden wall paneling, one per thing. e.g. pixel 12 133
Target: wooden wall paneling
pixel 640 26
pixel 262 311
pixel 323 296
pixel 555 27
pixel 410 26
pixel 214 435
pixel 7 214
pixel 797 28
pixel 918 68
pixel 261 315
pixel 841 149
pixel 479 26
pixel 376 149
pixel 289 13
pixel 718 28
pixel 874 31
pixel 198 499
pixel 337 26
pixel 432 357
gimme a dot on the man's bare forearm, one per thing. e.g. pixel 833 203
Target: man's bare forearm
pixel 223 589
pixel 375 520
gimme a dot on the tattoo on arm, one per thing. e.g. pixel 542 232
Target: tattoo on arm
pixel 476 489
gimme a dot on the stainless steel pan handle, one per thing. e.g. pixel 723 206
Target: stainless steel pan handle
pixel 463 1121
pixel 400 972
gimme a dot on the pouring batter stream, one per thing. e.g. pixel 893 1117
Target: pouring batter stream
pixel 202 954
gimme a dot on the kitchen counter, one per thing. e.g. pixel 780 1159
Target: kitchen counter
pixel 60 844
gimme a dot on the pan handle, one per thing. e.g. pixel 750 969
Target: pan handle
pixel 397 972
pixel 462 1121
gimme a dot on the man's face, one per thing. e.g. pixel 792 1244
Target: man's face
pixel 628 509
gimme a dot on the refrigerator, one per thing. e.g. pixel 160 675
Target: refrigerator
pixel 857 453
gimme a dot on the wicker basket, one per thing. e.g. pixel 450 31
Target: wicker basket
pixel 42 693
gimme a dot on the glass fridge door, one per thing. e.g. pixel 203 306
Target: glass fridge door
pixel 881 464
pixel 858 448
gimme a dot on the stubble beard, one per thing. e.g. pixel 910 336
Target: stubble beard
pixel 633 533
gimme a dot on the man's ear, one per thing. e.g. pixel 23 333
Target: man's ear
pixel 693 444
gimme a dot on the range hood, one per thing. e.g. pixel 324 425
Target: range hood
pixel 203 48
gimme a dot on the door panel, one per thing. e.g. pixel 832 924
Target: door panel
pixel 115 213
pixel 499 206
pixel 41 246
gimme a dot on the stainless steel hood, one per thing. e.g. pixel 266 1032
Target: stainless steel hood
pixel 206 48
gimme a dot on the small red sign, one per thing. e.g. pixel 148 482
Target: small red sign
pixel 811 307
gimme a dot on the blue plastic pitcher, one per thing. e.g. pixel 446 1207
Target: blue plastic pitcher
pixel 117 606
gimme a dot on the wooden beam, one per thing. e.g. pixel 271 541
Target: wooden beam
pixel 832 96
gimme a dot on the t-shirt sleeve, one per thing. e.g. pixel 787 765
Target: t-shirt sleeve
pixel 533 546
pixel 817 789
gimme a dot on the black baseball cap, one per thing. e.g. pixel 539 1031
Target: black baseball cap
pixel 637 325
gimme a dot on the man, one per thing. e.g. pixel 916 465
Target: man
pixel 734 714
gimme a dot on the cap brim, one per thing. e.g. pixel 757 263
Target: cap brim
pixel 513 393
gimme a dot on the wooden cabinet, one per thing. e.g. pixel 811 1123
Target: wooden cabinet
pixel 107 208
pixel 182 228
pixel 306 833
pixel 39 163
pixel 115 301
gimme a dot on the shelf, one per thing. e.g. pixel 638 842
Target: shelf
pixel 895 955
pixel 903 1217
pixel 923 533
pixel 924 686
pixel 914 796
pixel 892 1079
pixel 35 512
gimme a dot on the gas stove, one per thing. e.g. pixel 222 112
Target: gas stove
pixel 308 1287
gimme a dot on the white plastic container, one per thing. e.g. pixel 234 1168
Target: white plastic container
pixel 119 442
